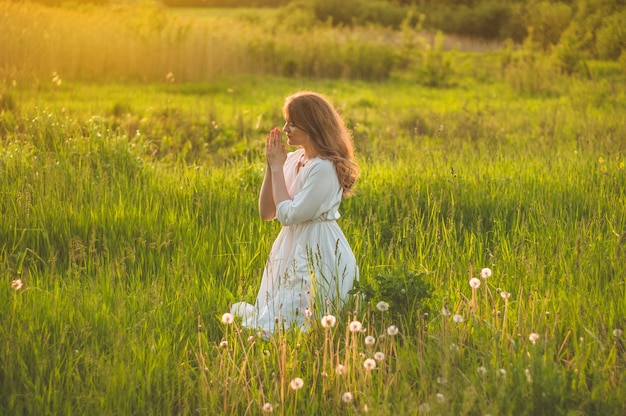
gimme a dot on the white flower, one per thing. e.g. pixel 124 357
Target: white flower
pixel 355 326
pixel 392 330
pixel 268 408
pixel 457 318
pixel 505 295
pixel 328 321
pixel 340 369
pixel 228 318
pixel 369 364
pixel 533 337
pixel 485 273
pixel 379 356
pixel 481 371
pixel 224 344
pixel 440 398
pixel 529 376
pixel 308 313
pixel 617 333
pixel 423 408
pixel 296 383
pixel 502 372
pixel 16 284
pixel 382 306
pixel 347 397
pixel 370 340
pixel 474 283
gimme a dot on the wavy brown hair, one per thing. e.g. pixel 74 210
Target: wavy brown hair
pixel 316 116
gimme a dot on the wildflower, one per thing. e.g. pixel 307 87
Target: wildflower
pixel 617 333
pixel 457 318
pixel 382 306
pixel 533 337
pixel 296 383
pixel 369 364
pixel 485 273
pixel 474 283
pixel 505 295
pixel 16 284
pixel 347 397
pixel 440 398
pixel 379 356
pixel 329 321
pixel 529 376
pixel 228 318
pixel 392 330
pixel 481 371
pixel 308 313
pixel 370 340
pixel 224 344
pixel 268 408
pixel 340 370
pixel 355 326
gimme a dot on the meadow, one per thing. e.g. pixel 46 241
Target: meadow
pixel 489 223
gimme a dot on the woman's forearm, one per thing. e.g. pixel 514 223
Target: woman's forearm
pixel 267 207
pixel 279 187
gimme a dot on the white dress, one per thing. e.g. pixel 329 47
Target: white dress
pixel 311 266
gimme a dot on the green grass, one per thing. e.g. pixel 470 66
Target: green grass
pixel 129 213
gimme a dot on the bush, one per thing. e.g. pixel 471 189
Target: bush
pixel 358 12
pixel 611 37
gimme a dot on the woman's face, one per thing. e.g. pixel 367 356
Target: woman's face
pixel 295 135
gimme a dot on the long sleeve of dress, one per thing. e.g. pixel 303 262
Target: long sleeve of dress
pixel 316 199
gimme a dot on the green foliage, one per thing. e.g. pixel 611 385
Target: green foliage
pixel 407 292
pixel 358 12
pixel 611 36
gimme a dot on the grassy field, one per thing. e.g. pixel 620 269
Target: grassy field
pixel 129 226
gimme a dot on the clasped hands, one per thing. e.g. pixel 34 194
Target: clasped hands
pixel 275 152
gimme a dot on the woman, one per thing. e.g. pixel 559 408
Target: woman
pixel 311 266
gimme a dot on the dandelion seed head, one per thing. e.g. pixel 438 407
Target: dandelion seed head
pixel 16 284
pixel 440 398
pixel 481 371
pixel 392 330
pixel 340 370
pixel 296 383
pixel 228 318
pixel 441 380
pixel 379 356
pixel 329 321
pixel 505 295
pixel 268 408
pixel 533 337
pixel 529 376
pixel 424 408
pixel 382 306
pixel 485 273
pixel 454 347
pixel 224 344
pixel 308 313
pixel 502 372
pixel 617 333
pixel 369 364
pixel 457 318
pixel 370 340
pixel 355 326
pixel 474 283
pixel 347 397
